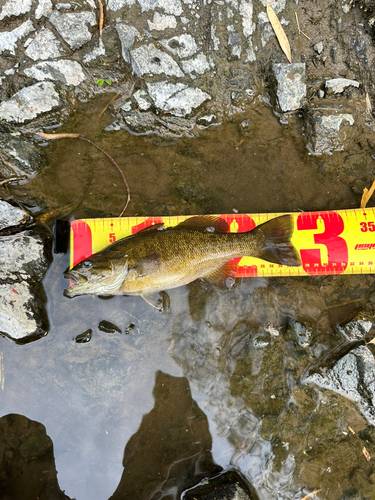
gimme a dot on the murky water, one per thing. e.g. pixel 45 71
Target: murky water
pixel 220 372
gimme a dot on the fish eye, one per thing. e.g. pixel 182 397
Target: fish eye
pixel 87 264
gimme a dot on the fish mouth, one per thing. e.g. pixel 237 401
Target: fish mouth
pixel 78 281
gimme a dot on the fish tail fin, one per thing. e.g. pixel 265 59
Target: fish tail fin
pixel 275 241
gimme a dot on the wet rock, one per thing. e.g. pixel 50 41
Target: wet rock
pixel 108 327
pixel 44 9
pixel 148 60
pixel 143 99
pixel 327 132
pixel 19 157
pixel 65 71
pixel 30 102
pixel 44 46
pixel 22 304
pixel 169 6
pixel 181 46
pixel 353 377
pixel 318 47
pixel 15 8
pixel 356 329
pixel 11 216
pixel 85 337
pixel 9 39
pixel 338 85
pixel 227 486
pixel 177 99
pixel 97 52
pixel 162 22
pixel 73 27
pixel 116 5
pixel 198 65
pixel 127 35
pixel 291 88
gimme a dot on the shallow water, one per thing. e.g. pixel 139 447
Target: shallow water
pixel 236 350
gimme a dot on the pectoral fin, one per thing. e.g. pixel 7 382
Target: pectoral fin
pixel 158 300
pixel 147 265
pixel 223 276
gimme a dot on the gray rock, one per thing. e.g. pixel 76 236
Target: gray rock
pixel 198 65
pixel 327 132
pixel 182 103
pixel 162 22
pixel 10 215
pixel 181 46
pixel 30 102
pixel 22 298
pixel 19 156
pixel 318 47
pixel 169 6
pixel 143 99
pixel 115 5
pixel 147 59
pixel 291 89
pixel 15 8
pixel 127 35
pixel 44 46
pixel 64 71
pixel 160 92
pixel 9 39
pixel 73 27
pixel 229 485
pixel 44 9
pixel 353 377
pixel 98 51
pixel 338 85
pixel 356 329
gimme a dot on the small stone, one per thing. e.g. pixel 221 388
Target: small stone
pixel 245 124
pixel 73 27
pixel 182 103
pixel 63 6
pixel 352 377
pixel 44 46
pixel 147 59
pixel 64 71
pixel 321 93
pixel 116 5
pixel 108 327
pixel 326 132
pixel 181 46
pixel 169 6
pixel 127 106
pixel 198 65
pixel 15 8
pixel 9 39
pixel 127 35
pixel 160 92
pixel 207 120
pixel 85 337
pixel 98 51
pixel 291 89
pixel 318 47
pixel 30 102
pixel 338 85
pixel 143 99
pixel 162 22
pixel 10 215
pixel 44 9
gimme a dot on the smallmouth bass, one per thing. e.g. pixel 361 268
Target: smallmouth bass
pixel 159 258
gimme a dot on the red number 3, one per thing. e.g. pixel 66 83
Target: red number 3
pixel 336 246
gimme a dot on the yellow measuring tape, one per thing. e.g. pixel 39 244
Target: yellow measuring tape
pixel 334 242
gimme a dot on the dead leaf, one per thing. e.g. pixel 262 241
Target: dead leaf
pixel 366 454
pixel 311 494
pixel 279 32
pixel 367 193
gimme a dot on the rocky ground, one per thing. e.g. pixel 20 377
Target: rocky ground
pixel 177 68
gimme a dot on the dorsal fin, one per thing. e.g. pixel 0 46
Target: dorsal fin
pixel 205 223
pixel 153 227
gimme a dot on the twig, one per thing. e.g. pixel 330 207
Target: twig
pixel 300 32
pixel 101 18
pixel 310 494
pixel 367 193
pixel 12 179
pixel 110 102
pixel 80 136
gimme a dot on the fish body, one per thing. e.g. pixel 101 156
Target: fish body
pixel 159 258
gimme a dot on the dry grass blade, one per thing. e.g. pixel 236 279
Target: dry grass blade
pixel 83 138
pixel 12 179
pixel 279 32
pixel 368 103
pixel 101 18
pixel 311 494
pixel 367 193
pixel 351 430
pixel 366 454
pixel 110 102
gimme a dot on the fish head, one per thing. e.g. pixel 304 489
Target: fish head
pixel 97 275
